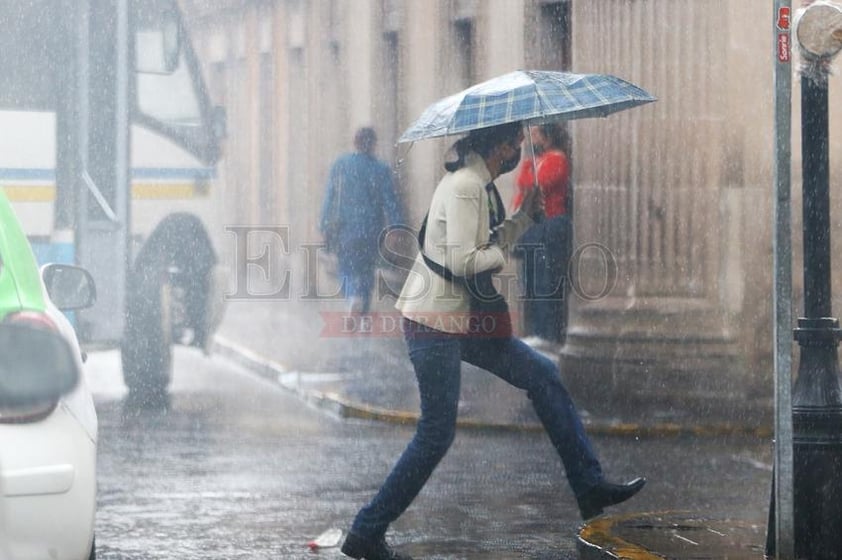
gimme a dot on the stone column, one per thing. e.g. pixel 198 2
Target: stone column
pixel 651 323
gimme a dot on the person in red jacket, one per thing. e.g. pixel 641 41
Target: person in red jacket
pixel 550 142
pixel 544 248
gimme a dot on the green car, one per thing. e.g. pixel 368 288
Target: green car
pixel 20 282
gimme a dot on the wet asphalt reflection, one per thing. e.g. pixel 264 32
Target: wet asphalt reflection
pixel 232 467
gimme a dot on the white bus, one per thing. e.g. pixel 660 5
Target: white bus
pixel 108 142
pixel 165 178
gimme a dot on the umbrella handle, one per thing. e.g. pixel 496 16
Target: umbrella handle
pixel 538 217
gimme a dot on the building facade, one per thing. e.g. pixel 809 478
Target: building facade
pixel 673 202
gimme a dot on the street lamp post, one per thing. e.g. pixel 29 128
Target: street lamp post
pixel 817 397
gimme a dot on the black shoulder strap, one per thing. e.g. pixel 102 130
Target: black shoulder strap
pixel 479 286
pixel 497 213
pixel 440 270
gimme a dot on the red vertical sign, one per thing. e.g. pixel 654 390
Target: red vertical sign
pixel 784 46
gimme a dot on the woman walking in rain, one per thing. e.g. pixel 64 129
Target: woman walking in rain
pixel 451 313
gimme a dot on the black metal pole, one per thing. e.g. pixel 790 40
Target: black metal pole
pixel 817 399
pixel 816 205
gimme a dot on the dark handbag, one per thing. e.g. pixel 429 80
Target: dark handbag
pixel 489 309
pixel 489 314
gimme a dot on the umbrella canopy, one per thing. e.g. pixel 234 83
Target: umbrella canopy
pixel 532 96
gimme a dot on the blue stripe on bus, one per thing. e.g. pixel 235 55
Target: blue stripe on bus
pixel 27 174
pixel 45 174
pixel 174 172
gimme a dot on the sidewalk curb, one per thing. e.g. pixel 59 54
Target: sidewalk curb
pixel 344 408
pixel 595 541
pixel 636 536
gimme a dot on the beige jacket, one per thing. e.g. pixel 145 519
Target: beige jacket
pixel 457 237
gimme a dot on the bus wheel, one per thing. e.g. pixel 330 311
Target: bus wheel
pixel 146 351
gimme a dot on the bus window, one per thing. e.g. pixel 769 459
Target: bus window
pixel 173 101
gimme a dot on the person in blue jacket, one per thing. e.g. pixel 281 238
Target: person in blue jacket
pixel 360 201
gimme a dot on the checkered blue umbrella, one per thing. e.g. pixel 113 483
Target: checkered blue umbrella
pixel 531 96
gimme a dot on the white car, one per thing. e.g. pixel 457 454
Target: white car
pixel 48 444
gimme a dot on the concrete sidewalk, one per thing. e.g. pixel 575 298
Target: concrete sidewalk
pixel 369 376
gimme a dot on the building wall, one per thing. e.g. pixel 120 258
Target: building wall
pixel 679 191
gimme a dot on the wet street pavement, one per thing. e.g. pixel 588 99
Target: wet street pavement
pixel 234 466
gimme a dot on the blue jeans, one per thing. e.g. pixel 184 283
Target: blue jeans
pixel 544 253
pixel 357 259
pixel 437 360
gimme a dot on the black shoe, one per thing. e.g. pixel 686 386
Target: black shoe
pixel 606 494
pixel 358 547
